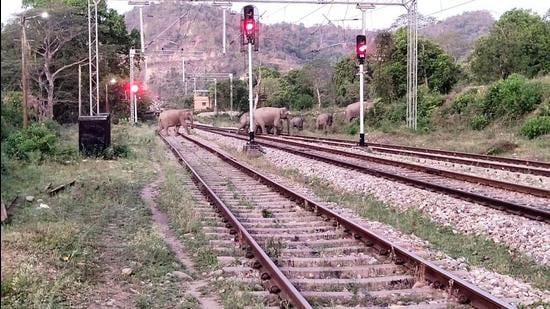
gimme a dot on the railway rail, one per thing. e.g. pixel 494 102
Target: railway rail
pixel 530 202
pixel 480 160
pixel 320 258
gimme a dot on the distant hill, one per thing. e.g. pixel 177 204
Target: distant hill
pixel 457 34
pixel 284 46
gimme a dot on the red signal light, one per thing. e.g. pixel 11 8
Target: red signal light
pixel 361 48
pixel 134 88
pixel 249 26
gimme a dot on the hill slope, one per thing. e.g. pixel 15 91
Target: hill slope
pixel 197 27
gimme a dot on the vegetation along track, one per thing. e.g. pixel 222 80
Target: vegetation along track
pixel 480 160
pixel 517 199
pixel 309 253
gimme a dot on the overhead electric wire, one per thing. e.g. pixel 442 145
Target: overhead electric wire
pixel 310 13
pixel 451 7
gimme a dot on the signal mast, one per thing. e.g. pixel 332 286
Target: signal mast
pixel 250 37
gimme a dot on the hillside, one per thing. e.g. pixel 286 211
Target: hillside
pixel 197 27
pixel 457 34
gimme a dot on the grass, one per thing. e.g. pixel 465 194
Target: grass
pixel 477 250
pixel 52 257
pixel 179 206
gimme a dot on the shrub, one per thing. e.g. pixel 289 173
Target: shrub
pixel 36 138
pixel 535 127
pixel 12 118
pixel 465 102
pixel 428 101
pixel 302 101
pixel 512 97
pixel 479 122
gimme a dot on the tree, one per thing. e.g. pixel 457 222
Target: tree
pixel 59 43
pixel 50 39
pixel 319 72
pixel 346 81
pixel 436 69
pixel 519 42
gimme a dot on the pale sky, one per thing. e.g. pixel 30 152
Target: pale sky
pixel 380 17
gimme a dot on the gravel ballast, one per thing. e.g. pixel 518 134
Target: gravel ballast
pixel 403 197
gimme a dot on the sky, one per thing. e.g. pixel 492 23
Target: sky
pixel 379 18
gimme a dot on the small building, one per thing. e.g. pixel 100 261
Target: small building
pixel 201 102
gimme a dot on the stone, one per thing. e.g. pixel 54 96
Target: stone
pixel 29 198
pixel 181 275
pixel 127 271
pixel 43 206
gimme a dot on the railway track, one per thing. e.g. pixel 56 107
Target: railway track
pixel 309 254
pixel 533 203
pixel 494 162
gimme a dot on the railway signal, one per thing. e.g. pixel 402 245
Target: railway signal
pixel 249 37
pixel 361 51
pixel 361 48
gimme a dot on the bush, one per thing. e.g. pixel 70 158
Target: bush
pixel 37 138
pixel 117 151
pixel 428 102
pixel 479 122
pixel 12 118
pixel 302 101
pixel 465 103
pixel 512 97
pixel 535 127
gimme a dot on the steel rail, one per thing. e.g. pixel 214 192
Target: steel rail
pixel 275 273
pixel 426 169
pixel 393 148
pixel 438 277
pixel 495 162
pixel 521 210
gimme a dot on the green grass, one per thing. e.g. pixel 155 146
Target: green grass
pixel 477 250
pixel 52 257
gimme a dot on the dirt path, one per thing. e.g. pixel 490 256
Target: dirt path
pixel 161 224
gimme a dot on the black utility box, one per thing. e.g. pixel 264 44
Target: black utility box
pixel 94 133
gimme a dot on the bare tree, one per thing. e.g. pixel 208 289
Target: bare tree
pixel 58 44
pixel 319 72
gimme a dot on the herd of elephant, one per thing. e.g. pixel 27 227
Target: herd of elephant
pixel 270 119
pixel 267 119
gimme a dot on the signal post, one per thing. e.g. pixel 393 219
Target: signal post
pixel 249 37
pixel 361 50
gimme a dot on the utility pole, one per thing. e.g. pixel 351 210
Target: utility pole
pixel 79 90
pixel 183 75
pixel 24 71
pixel 215 97
pixel 231 91
pixel 224 29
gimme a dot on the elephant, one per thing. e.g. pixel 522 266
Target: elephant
pixel 324 121
pixel 175 117
pixel 265 117
pixel 297 122
pixel 352 110
pixel 245 121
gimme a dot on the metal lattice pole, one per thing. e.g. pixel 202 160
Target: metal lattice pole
pixel 93 57
pixel 412 66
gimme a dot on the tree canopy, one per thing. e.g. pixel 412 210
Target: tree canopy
pixel 519 42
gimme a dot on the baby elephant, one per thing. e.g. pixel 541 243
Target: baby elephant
pixel 297 122
pixel 175 118
pixel 323 121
